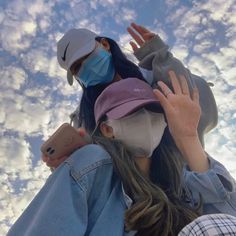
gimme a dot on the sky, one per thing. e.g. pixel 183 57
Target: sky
pixel 35 97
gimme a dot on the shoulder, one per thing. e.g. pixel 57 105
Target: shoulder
pixel 89 165
pixel 89 158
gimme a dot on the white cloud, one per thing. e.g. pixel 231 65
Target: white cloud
pixel 181 52
pixel 15 157
pixel 124 15
pixel 203 46
pixel 171 3
pixel 19 24
pixel 216 13
pixel 15 37
pixel 35 97
pixel 12 77
pixel 17 151
pixel 219 149
pixel 203 67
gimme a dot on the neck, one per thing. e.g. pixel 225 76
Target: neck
pixel 144 165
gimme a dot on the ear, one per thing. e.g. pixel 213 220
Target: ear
pixel 104 42
pixel 106 130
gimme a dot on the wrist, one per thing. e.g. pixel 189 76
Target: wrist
pixel 193 153
pixel 185 141
pixel 155 44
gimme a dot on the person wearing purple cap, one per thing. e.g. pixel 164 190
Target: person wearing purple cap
pixel 146 173
pixel 131 126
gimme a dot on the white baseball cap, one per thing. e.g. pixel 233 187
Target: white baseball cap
pixel 75 44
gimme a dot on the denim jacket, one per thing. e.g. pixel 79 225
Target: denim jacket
pixel 85 197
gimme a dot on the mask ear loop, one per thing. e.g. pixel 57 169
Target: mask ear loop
pixel 103 119
pixel 95 130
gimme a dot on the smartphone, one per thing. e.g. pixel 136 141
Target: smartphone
pixel 65 140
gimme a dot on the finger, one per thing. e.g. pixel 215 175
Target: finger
pixel 163 100
pixel 184 85
pixel 82 132
pixel 134 46
pixel 135 36
pixel 56 162
pixel 50 163
pixel 59 161
pixel 195 95
pixel 140 29
pixel 148 36
pixel 44 158
pixel 165 89
pixel 175 82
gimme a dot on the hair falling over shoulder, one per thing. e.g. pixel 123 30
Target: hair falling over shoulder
pixel 158 205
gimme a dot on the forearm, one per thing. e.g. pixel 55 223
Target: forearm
pixel 193 153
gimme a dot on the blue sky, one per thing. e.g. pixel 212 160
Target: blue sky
pixel 34 95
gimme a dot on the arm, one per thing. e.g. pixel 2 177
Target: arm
pixel 216 187
pixel 73 198
pixel 183 112
pixel 202 174
pixel 53 163
pixel 60 207
pixel 153 55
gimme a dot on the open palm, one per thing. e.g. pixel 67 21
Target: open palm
pixel 181 108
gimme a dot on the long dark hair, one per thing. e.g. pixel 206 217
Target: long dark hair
pixel 160 204
pixel 124 67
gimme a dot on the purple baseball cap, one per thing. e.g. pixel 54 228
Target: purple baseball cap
pixel 123 97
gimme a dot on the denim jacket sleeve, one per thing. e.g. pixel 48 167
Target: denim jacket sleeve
pixel 61 206
pixel 155 56
pixel 216 187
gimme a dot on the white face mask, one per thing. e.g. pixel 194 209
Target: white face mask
pixel 141 132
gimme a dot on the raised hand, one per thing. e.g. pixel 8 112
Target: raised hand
pixel 182 109
pixel 140 35
pixel 183 113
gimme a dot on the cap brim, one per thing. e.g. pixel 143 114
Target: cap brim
pixel 88 48
pixel 127 108
pixel 70 78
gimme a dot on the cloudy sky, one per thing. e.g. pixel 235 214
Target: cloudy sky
pixel 34 95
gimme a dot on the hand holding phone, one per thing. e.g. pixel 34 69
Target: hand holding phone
pixel 65 140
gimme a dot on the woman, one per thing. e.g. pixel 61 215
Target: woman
pixel 118 189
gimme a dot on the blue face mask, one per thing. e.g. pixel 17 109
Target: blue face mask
pixel 98 68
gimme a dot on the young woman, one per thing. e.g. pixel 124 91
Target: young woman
pixel 134 182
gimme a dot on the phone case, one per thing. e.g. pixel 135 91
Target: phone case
pixel 63 142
